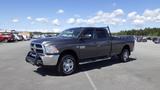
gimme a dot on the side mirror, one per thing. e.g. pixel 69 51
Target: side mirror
pixel 87 36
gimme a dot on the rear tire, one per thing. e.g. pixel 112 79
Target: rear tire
pixel 124 56
pixel 67 65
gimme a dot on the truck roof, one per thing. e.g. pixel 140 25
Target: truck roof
pixel 89 27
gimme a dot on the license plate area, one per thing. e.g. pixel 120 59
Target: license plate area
pixel 33 55
pixel 32 58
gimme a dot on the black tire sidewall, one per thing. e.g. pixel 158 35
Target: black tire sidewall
pixel 60 65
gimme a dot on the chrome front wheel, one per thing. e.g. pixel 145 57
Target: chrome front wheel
pixel 67 65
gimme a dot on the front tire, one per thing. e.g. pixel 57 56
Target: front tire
pixel 67 65
pixel 124 56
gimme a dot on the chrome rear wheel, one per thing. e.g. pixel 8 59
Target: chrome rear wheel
pixel 125 55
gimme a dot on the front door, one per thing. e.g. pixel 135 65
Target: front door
pixel 87 47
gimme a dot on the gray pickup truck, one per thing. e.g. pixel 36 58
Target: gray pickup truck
pixel 76 45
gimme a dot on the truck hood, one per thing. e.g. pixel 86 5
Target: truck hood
pixel 54 40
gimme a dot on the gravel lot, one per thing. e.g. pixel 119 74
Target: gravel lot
pixel 141 73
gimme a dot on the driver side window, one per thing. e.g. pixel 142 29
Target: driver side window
pixel 88 32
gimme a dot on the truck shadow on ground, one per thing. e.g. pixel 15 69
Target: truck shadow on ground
pixel 51 71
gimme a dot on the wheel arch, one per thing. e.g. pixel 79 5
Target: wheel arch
pixel 69 51
pixel 126 47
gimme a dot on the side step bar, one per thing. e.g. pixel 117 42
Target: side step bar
pixel 92 61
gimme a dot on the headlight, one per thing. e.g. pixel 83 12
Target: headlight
pixel 50 49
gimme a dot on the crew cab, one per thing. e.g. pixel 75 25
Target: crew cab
pixel 80 44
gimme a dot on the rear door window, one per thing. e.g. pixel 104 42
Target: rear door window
pixel 101 33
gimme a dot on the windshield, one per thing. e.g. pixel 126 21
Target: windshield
pixel 70 33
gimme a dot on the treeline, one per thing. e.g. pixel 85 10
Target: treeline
pixel 141 32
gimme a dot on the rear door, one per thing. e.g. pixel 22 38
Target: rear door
pixel 103 42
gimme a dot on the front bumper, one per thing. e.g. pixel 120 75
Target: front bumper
pixel 42 60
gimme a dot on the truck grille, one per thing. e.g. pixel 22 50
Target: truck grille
pixel 37 48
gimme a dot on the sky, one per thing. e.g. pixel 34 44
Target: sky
pixel 58 15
